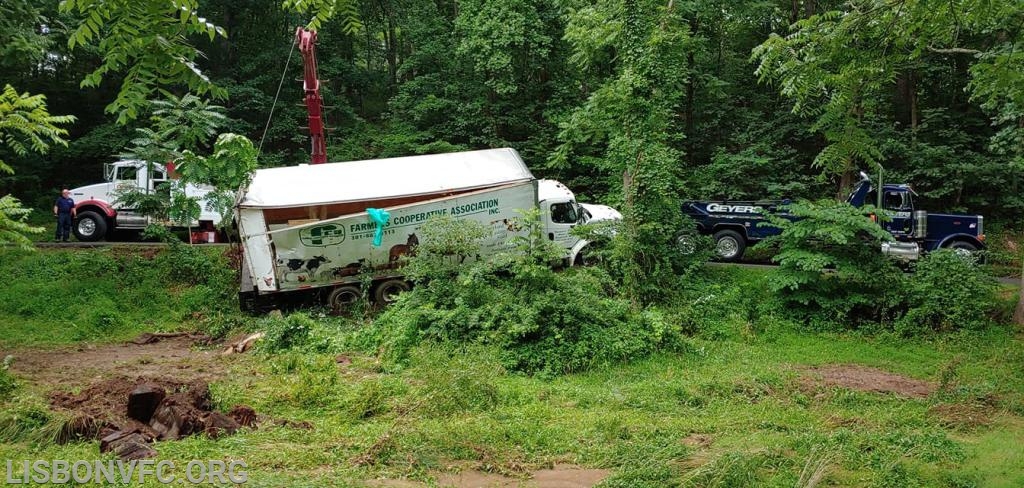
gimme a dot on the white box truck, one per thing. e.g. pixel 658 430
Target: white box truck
pixel 99 213
pixel 305 230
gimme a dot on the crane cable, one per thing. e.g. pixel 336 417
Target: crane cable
pixel 278 94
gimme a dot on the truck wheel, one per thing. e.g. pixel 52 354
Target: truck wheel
pixel 686 242
pixel 729 245
pixel 343 297
pixel 964 249
pixel 387 291
pixel 90 226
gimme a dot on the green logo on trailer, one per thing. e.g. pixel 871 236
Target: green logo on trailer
pixel 323 235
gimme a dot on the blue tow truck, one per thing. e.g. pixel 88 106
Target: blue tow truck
pixel 733 225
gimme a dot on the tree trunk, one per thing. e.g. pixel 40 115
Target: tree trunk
pixel 845 182
pixel 913 102
pixel 691 86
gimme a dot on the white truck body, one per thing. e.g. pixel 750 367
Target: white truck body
pixel 306 227
pixel 99 201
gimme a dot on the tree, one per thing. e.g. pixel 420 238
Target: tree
pixel 631 122
pixel 229 168
pixel 179 127
pixel 25 125
pixel 839 67
pixel 149 41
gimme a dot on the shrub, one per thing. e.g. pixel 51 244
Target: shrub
pixel 544 321
pixel 949 291
pixel 831 270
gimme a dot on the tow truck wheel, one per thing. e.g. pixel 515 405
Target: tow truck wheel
pixel 687 243
pixel 343 297
pixel 90 226
pixel 963 248
pixel 387 291
pixel 729 245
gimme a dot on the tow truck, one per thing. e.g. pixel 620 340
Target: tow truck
pixel 734 225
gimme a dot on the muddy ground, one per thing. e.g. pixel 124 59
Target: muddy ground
pixel 76 367
pixel 864 378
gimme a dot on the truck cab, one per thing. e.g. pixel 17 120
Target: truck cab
pixel 916 230
pixel 99 212
pixel 560 213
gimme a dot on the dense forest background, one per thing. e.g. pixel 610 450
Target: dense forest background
pixel 424 76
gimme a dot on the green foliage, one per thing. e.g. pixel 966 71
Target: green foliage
pixel 14 228
pixel 504 40
pixel 7 382
pixel 285 333
pixel 26 125
pixel 229 168
pixel 543 321
pixel 61 296
pixel 838 66
pixel 949 291
pixel 182 126
pixel 831 270
pixel 148 43
pixel 629 123
pixel 20 40
pixel 178 124
pixel 446 244
pixel 325 10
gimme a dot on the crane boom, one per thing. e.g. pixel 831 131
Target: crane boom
pixel 306 40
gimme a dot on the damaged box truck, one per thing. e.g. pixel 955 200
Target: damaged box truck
pixel 322 231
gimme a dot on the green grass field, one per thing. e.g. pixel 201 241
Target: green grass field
pixel 739 409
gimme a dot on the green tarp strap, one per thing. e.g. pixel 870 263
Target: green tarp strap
pixel 380 217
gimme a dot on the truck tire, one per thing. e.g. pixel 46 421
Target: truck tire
pixel 90 226
pixel 729 245
pixel 387 291
pixel 967 250
pixel 686 242
pixel 343 297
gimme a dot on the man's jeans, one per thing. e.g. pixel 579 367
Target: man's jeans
pixel 63 226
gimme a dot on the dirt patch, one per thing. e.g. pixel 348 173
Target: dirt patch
pixel 864 378
pixel 963 416
pixel 69 368
pixel 697 441
pixel 107 401
pixel 558 476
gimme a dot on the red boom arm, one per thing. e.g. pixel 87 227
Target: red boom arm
pixel 314 104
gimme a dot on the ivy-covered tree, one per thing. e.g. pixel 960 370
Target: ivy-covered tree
pixel 628 126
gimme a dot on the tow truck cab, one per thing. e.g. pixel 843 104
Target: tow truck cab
pixel 916 231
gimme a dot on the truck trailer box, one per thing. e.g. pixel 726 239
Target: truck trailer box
pixel 308 227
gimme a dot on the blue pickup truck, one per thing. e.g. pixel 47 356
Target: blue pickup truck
pixel 734 225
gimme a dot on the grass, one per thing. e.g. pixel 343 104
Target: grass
pixel 732 411
pixel 54 297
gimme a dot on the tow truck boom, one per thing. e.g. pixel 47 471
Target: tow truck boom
pixel 306 40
